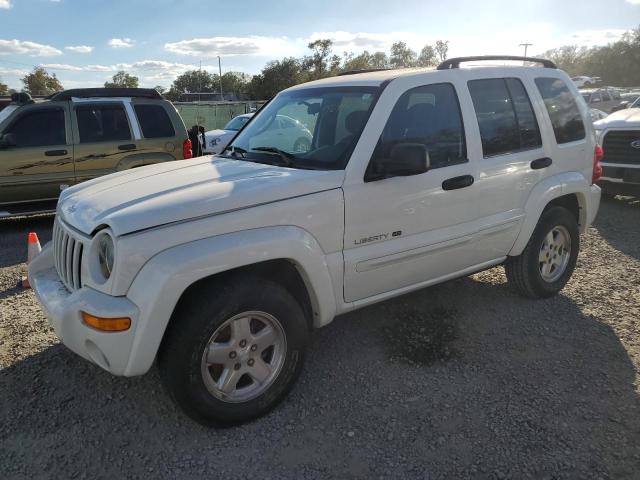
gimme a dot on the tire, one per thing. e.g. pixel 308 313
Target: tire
pixel 302 145
pixel 527 272
pixel 185 369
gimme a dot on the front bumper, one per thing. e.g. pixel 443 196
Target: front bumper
pixel 63 308
pixel 620 179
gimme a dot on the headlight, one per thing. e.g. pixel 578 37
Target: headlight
pixel 105 255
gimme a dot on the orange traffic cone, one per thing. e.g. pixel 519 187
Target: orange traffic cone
pixel 33 249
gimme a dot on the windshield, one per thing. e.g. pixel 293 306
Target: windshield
pixel 307 128
pixel 635 104
pixel 236 123
pixel 5 112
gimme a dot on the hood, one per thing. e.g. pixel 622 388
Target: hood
pixel 173 191
pixel 218 133
pixel 629 118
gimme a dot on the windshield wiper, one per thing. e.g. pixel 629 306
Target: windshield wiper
pixel 235 150
pixel 287 158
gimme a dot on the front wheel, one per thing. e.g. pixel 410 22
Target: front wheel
pixel 547 263
pixel 233 351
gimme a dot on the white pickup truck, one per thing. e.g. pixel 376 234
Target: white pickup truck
pixel 220 267
pixel 619 133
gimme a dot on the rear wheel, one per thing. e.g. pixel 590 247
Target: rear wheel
pixel 233 356
pixel 546 264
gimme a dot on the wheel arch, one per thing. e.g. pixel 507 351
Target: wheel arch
pixel 289 255
pixel 568 190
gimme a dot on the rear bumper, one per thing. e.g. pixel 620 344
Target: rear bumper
pixel 110 351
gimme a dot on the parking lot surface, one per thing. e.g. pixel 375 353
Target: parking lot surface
pixel 461 380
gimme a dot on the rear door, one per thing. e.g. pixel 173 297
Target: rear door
pixel 159 139
pixel 510 158
pixel 41 162
pixel 103 137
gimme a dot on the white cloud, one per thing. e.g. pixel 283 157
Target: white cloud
pixel 33 49
pixel 13 71
pixel 5 3
pixel 230 46
pixel 62 66
pixel 590 38
pixel 79 48
pixel 120 43
pixel 634 2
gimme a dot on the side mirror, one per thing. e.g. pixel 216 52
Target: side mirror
pixel 405 159
pixel 8 140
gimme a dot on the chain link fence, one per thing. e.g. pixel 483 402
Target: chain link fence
pixel 213 115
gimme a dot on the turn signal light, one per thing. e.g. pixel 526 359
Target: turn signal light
pixel 106 324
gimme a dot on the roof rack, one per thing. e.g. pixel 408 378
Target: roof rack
pixel 105 93
pixel 364 70
pixel 455 62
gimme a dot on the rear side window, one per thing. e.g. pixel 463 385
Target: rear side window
pixel 505 116
pixel 154 121
pixel 102 123
pixel 429 115
pixel 563 110
pixel 39 128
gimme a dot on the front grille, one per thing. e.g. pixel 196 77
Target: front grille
pixel 618 149
pixel 67 254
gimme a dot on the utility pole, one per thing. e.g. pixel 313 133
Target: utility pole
pixel 525 45
pixel 220 77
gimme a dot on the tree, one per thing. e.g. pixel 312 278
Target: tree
pixel 616 64
pixel 236 83
pixel 160 89
pixel 275 76
pixel 317 64
pixel 427 57
pixel 39 82
pixel 194 81
pixel 4 89
pixel 442 48
pixel 365 61
pixel 122 79
pixel 402 56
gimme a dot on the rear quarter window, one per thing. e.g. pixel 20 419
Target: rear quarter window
pixel 154 121
pixel 562 108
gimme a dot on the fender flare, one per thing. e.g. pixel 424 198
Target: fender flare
pixel 164 278
pixel 544 192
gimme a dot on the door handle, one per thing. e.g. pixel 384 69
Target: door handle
pixel 541 163
pixel 128 146
pixel 457 182
pixel 55 153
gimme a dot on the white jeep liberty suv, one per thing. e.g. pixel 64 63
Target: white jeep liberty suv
pixel 221 266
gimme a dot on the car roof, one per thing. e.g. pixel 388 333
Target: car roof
pixel 379 77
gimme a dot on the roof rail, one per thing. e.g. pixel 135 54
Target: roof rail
pixel 105 93
pixel 455 62
pixel 364 70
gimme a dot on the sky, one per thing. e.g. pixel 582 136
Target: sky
pixel 84 42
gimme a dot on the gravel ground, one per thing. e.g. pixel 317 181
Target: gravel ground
pixel 462 380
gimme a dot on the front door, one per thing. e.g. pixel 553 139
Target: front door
pixel 103 138
pixel 40 163
pixel 406 230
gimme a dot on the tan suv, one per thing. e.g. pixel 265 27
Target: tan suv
pixel 81 134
